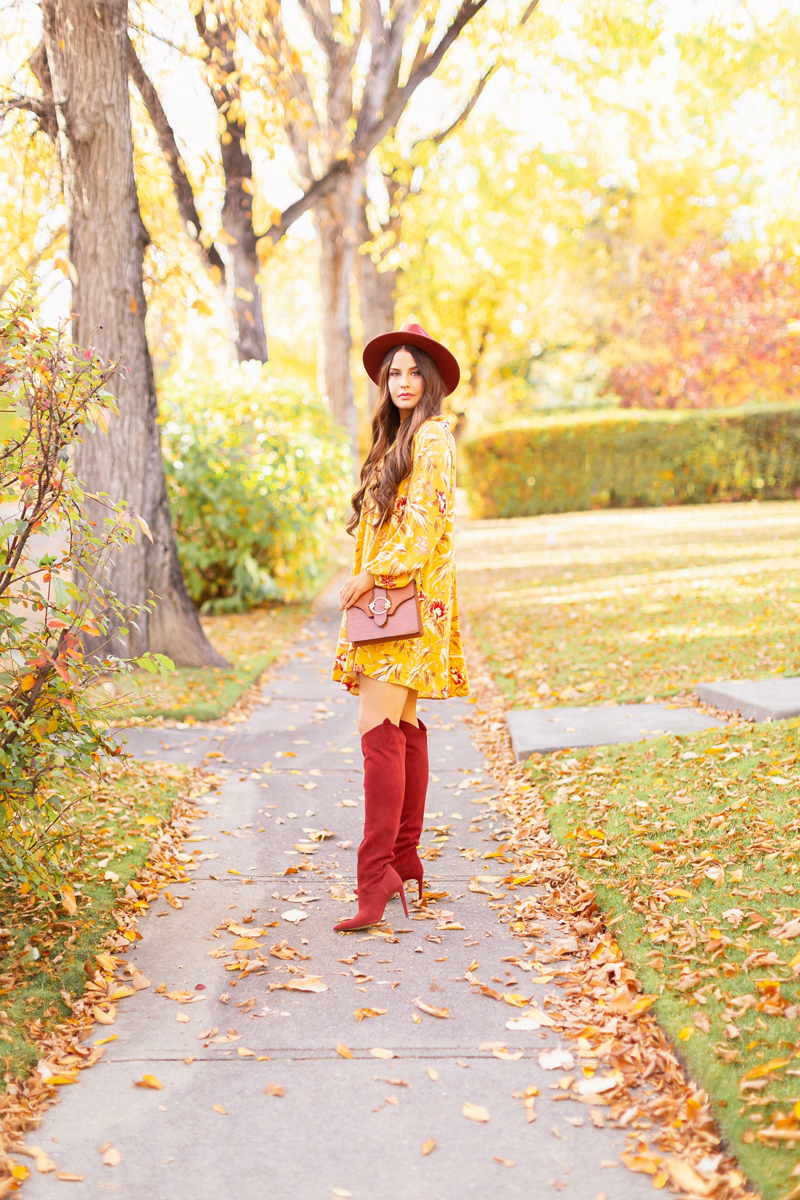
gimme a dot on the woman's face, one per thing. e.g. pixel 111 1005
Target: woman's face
pixel 406 385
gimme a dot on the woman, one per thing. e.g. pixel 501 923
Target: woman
pixel 403 523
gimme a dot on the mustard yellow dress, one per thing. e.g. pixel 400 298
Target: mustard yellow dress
pixel 416 543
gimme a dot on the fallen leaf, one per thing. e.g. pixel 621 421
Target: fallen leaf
pixel 433 1073
pixel 149 1081
pixel 343 1050
pixel 476 1112
pixel 294 916
pixel 430 1009
pixel 273 1089
pixel 67 1177
pixel 532 1020
pixel 308 983
pixel 379 1053
pixel 556 1060
pixel 427 1146
pixel 43 1164
pixel 361 1013
pixel 218 1108
pixel 183 1017
pixel 245 1053
pixel 112 1157
pixel 684 1176
pixel 504 1162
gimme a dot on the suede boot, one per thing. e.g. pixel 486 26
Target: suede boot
pixel 384 750
pixel 406 857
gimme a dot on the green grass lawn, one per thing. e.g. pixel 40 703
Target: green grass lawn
pixel 626 605
pixel 44 948
pixel 693 844
pixel 250 641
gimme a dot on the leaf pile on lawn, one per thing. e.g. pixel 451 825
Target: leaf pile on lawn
pixel 630 605
pixel 692 845
pixel 63 971
pixel 624 1067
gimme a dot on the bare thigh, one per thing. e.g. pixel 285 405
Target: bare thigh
pixel 378 700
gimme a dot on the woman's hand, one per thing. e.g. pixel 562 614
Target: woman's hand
pixel 354 587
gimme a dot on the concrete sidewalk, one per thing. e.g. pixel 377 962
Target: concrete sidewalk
pixel 342 1127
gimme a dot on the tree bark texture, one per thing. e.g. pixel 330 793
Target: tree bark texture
pixel 222 77
pixel 377 293
pixel 336 217
pixel 237 219
pixel 85 42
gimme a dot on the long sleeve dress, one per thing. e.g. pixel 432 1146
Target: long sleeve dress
pixel 416 543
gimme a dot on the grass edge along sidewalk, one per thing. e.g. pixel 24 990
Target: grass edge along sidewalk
pixel 58 965
pixel 623 1070
pixel 691 845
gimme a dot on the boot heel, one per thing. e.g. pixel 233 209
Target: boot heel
pixel 403 898
pixel 418 881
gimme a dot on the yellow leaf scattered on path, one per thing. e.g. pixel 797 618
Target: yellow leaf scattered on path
pixel 360 1013
pixel 430 1009
pixel 433 1074
pixel 183 1017
pixel 245 1053
pixel 427 1146
pixel 343 1050
pixel 43 1163
pixel 380 1053
pixel 149 1081
pixel 273 1089
pixel 112 1157
pixel 476 1112
pixel 218 1108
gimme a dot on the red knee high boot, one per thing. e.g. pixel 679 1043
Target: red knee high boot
pixel 406 858
pixel 384 750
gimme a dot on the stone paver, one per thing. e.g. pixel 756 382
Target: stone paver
pixel 341 1124
pixel 544 730
pixel 774 699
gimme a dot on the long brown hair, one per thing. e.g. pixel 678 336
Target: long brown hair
pixel 389 460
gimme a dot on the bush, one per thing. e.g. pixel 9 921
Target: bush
pixel 258 476
pixel 52 735
pixel 628 459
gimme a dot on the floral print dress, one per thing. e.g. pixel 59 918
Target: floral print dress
pixel 416 543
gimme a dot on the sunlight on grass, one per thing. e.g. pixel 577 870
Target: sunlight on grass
pixel 692 845
pixel 625 605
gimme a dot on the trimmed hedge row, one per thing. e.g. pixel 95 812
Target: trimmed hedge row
pixel 625 459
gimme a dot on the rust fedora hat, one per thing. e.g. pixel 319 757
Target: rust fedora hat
pixel 412 335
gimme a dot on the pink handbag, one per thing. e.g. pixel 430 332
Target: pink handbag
pixel 384 614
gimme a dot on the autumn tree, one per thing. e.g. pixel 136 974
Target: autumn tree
pixel 85 103
pixel 380 224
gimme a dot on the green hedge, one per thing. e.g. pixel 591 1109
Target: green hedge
pixel 258 477
pixel 625 459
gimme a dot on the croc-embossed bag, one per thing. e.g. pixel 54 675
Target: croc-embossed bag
pixel 384 614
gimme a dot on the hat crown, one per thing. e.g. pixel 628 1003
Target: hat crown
pixel 410 327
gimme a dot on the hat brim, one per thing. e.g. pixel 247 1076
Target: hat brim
pixel 375 352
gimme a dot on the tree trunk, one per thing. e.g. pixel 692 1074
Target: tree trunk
pixel 335 218
pixel 237 218
pixel 376 301
pixel 85 43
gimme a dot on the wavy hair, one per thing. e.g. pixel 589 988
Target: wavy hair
pixel 389 460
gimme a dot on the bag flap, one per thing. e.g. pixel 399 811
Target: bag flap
pixel 396 597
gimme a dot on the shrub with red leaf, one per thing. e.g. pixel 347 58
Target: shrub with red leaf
pixel 52 565
pixel 708 331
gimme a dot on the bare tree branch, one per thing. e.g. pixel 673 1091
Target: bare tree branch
pixel 319 188
pixel 184 193
pixel 368 138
